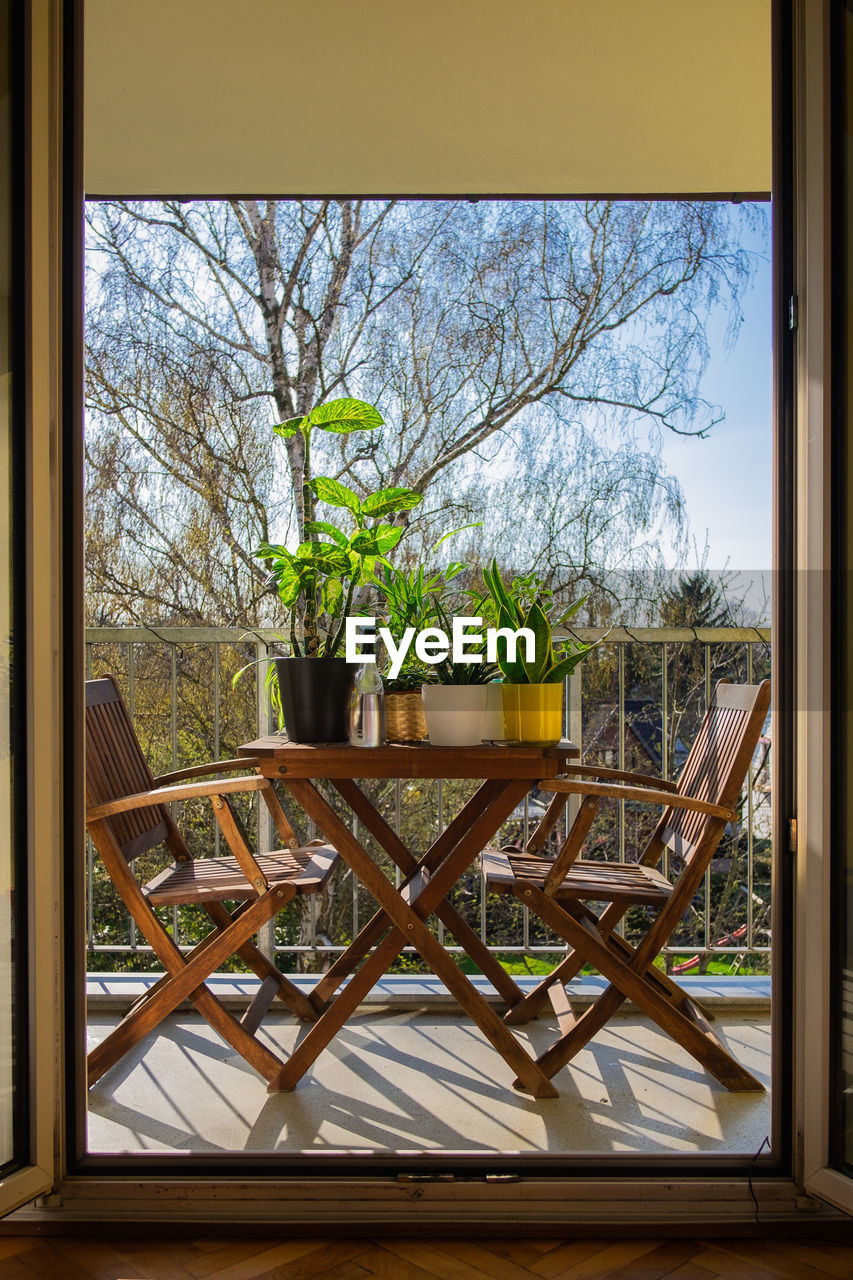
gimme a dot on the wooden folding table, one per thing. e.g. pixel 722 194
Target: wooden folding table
pixel 507 775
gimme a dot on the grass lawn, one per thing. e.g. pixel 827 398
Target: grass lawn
pixel 539 966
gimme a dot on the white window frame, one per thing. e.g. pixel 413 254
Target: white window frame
pixel 558 1201
pixel 814 882
pixel 42 617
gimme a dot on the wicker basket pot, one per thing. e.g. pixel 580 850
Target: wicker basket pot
pixel 404 717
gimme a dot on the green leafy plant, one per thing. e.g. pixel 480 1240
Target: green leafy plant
pixel 341 417
pixel 320 581
pixel 526 604
pixel 413 598
pixel 449 672
pixel 409 600
pixel 317 583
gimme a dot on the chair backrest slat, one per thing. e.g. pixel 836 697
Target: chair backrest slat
pixel 717 764
pixel 115 767
pixel 716 767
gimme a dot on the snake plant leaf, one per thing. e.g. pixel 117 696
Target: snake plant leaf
pixel 332 531
pixel 346 415
pixel 564 666
pixel 543 657
pixel 500 595
pixel 388 501
pixel 513 670
pixel 507 620
pixel 570 612
pixel 335 494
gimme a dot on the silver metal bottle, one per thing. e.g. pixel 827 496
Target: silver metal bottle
pixel 367 708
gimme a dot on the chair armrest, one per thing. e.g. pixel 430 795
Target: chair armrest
pixel 618 791
pixel 166 795
pixel 620 775
pixel 199 770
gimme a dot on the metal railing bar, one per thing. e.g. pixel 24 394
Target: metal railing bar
pixel 509 948
pixel 750 818
pixel 217 754
pixel 707 883
pixel 178 638
pixel 616 635
pixel 131 708
pixel 620 720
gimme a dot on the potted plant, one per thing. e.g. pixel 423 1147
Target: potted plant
pixel 322 581
pixel 457 704
pixel 533 684
pixel 409 600
pixel 404 709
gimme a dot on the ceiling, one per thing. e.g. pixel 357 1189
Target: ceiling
pixel 302 97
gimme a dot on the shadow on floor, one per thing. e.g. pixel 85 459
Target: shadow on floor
pixel 395 1081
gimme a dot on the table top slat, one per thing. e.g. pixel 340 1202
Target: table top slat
pixel 421 760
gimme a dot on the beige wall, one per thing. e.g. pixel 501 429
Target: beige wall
pixel 427 96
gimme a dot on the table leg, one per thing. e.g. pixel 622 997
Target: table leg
pixel 409 865
pixel 350 960
pixel 409 919
pixel 390 841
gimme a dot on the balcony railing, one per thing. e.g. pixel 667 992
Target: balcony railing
pixel 635 703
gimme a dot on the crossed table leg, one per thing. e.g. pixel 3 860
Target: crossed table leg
pixel 400 921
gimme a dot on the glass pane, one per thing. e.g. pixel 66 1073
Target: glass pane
pixel 11 905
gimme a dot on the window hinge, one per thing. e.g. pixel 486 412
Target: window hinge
pixel 793 312
pixel 792 835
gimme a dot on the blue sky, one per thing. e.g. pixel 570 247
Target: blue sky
pixel 726 478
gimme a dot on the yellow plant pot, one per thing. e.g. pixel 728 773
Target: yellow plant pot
pixel 533 714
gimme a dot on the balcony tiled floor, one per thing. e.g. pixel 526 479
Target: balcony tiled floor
pixel 397 1080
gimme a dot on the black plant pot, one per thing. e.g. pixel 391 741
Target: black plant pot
pixel 314 697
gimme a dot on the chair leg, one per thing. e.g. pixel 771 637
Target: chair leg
pixel 294 999
pixel 587 1025
pixel 187 981
pixel 197 951
pixel 691 1032
pixel 537 999
pixel 662 980
pixel 289 994
pixel 348 962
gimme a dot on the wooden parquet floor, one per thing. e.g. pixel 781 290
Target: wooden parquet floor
pixel 67 1258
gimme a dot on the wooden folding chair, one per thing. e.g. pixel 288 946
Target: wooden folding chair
pixel 127 816
pixel 696 812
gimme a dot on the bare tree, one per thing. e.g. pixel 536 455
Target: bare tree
pixel 526 356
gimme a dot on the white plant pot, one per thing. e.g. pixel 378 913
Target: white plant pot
pixel 455 714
